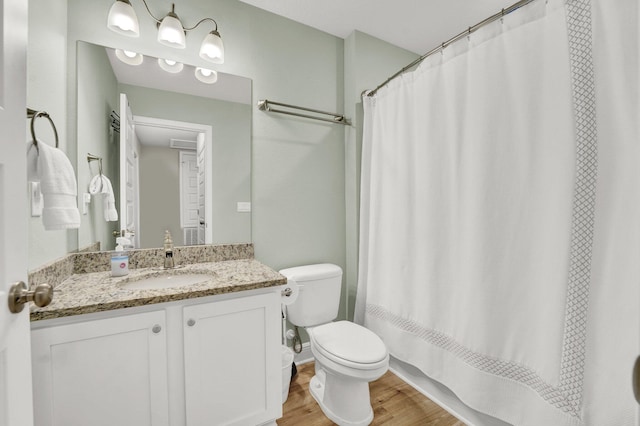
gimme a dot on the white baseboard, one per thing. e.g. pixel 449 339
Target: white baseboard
pixel 430 388
pixel 441 395
pixel 304 356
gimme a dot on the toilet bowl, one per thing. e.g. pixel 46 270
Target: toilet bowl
pixel 347 355
pixel 347 358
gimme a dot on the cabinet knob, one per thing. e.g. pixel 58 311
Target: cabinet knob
pixel 191 322
pixel 156 328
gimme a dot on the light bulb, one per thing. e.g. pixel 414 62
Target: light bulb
pixel 122 19
pixel 171 32
pixel 206 75
pixel 129 57
pixel 212 48
pixel 170 65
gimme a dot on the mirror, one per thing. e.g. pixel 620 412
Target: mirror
pixel 166 185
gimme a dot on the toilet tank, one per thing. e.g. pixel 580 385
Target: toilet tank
pixel 319 294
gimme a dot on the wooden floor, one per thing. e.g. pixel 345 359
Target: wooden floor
pixel 394 403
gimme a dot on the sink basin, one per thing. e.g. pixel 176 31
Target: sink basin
pixel 166 281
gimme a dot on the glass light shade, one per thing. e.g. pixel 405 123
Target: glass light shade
pixel 170 66
pixel 171 32
pixel 122 19
pixel 206 75
pixel 212 48
pixel 129 57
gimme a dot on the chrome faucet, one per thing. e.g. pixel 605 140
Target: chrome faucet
pixel 168 251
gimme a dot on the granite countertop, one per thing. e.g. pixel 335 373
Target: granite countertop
pixel 99 291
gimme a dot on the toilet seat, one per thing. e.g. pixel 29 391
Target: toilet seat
pixel 349 345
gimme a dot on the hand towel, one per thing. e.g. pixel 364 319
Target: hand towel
pixel 100 184
pixel 32 163
pixel 59 188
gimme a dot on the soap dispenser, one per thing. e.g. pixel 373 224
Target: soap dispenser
pixel 120 258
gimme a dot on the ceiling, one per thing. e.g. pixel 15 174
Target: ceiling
pixel 162 136
pixel 229 87
pixel 415 25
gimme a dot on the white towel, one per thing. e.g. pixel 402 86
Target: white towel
pixel 100 184
pixel 58 185
pixel 32 162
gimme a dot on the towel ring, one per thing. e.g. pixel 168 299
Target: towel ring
pixel 33 131
pixel 91 157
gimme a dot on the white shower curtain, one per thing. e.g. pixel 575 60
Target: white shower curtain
pixel 496 253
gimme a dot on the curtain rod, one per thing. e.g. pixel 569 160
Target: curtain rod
pixel 452 40
pixel 265 105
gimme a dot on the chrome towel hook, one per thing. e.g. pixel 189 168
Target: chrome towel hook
pixel 35 114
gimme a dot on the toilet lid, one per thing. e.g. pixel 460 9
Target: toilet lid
pixel 349 341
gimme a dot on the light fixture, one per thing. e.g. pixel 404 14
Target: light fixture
pixel 212 48
pixel 129 57
pixel 122 19
pixel 171 32
pixel 170 65
pixel 206 75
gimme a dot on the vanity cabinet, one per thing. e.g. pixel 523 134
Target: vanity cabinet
pixel 206 361
pixel 230 349
pixel 101 372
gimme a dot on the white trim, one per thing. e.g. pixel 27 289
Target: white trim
pixel 208 159
pixel 305 356
pixel 181 159
pixel 441 395
pixel 428 387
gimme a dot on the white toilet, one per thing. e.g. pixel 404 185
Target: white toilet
pixel 347 355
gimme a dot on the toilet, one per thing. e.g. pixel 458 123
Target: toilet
pixel 347 355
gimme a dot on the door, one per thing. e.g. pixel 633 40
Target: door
pixel 129 186
pixel 15 356
pixel 189 197
pixel 201 153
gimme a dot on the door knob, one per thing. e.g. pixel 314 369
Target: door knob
pixel 636 379
pixel 19 295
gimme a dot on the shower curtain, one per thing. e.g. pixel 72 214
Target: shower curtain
pixel 499 215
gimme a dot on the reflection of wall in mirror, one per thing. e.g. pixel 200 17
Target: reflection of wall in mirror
pixel 231 152
pixel 159 196
pixel 299 165
pixel 97 96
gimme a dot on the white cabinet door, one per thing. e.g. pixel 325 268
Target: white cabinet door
pixel 102 373
pixel 232 361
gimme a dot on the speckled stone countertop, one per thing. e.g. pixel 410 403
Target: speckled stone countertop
pixel 83 284
pixel 99 291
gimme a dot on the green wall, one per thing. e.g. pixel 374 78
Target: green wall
pixel 304 173
pixel 368 62
pixel 97 97
pixel 231 151
pixel 159 195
